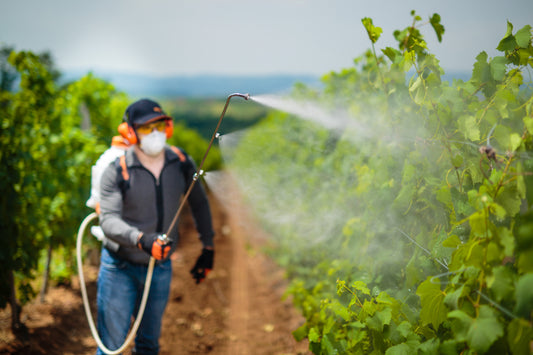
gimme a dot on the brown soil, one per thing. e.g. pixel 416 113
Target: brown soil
pixel 237 310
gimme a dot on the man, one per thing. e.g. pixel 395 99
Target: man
pixel 140 194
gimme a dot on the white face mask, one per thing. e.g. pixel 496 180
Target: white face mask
pixel 152 144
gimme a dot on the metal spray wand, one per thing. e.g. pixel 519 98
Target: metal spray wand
pixel 199 172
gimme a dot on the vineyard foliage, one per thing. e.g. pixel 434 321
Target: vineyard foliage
pixel 410 230
pixel 47 150
pixel 50 136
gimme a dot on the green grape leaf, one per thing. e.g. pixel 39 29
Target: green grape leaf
pixel 481 72
pixel 457 160
pixel 507 241
pixel 384 298
pixel 432 301
pixel 391 53
pixel 437 26
pixel 430 347
pixel 478 332
pixel 444 195
pixel 525 261
pixel 469 128
pixel 516 141
pixel 418 89
pixel 380 319
pixel 509 198
pixel 528 122
pixel 498 66
pixel 373 32
pixel 416 84
pixel 501 282
pixel 452 298
pixel 509 30
pixel 478 225
pixel 468 254
pixel 357 325
pixel 493 253
pixel 519 336
pixel 405 329
pixel 400 349
pixel 449 347
pixel 524 296
pixel 484 330
pixel 460 325
pixel 300 333
pixel 409 58
pixel 369 307
pixel 340 310
pixel 507 44
pixel 314 335
pixel 521 187
pixel 328 343
pixel 361 287
pixel 523 36
pixel 498 211
pixel 460 203
pixel 452 241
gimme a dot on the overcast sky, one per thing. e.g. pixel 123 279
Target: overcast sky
pixel 169 37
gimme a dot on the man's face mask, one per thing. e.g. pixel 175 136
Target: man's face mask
pixel 152 144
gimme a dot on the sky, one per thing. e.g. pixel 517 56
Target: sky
pixel 246 37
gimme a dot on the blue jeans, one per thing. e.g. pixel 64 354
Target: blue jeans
pixel 120 288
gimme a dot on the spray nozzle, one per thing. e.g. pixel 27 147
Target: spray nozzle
pixel 244 96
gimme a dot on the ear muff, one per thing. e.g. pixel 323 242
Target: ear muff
pixel 127 132
pixel 169 130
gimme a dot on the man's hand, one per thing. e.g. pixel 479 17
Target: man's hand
pixel 154 244
pixel 203 265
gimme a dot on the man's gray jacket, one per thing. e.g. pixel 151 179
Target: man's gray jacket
pixel 143 204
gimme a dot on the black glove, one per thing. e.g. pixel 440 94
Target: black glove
pixel 155 245
pixel 203 265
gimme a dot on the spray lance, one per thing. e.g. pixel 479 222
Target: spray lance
pixel 163 238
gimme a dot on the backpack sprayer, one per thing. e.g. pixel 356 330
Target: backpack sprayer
pixel 91 217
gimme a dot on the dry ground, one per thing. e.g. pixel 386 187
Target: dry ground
pixel 237 310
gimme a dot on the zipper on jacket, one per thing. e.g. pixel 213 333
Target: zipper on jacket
pixel 159 205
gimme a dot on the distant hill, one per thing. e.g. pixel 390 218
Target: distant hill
pixel 211 86
pixel 198 85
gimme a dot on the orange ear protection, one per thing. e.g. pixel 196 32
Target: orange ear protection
pixel 169 129
pixel 129 134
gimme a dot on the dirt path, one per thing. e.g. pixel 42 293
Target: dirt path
pixel 236 310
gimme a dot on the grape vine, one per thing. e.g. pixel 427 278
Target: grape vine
pixel 429 246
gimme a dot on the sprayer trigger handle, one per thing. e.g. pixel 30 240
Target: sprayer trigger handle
pixel 163 239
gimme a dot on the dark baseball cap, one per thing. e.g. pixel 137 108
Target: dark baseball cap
pixel 144 111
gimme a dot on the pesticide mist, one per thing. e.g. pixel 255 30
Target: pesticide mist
pixel 309 175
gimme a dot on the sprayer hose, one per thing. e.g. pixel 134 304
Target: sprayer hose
pixel 86 305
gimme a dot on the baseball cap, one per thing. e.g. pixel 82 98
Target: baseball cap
pixel 144 111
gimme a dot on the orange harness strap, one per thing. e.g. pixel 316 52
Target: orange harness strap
pixel 125 174
pixel 179 153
